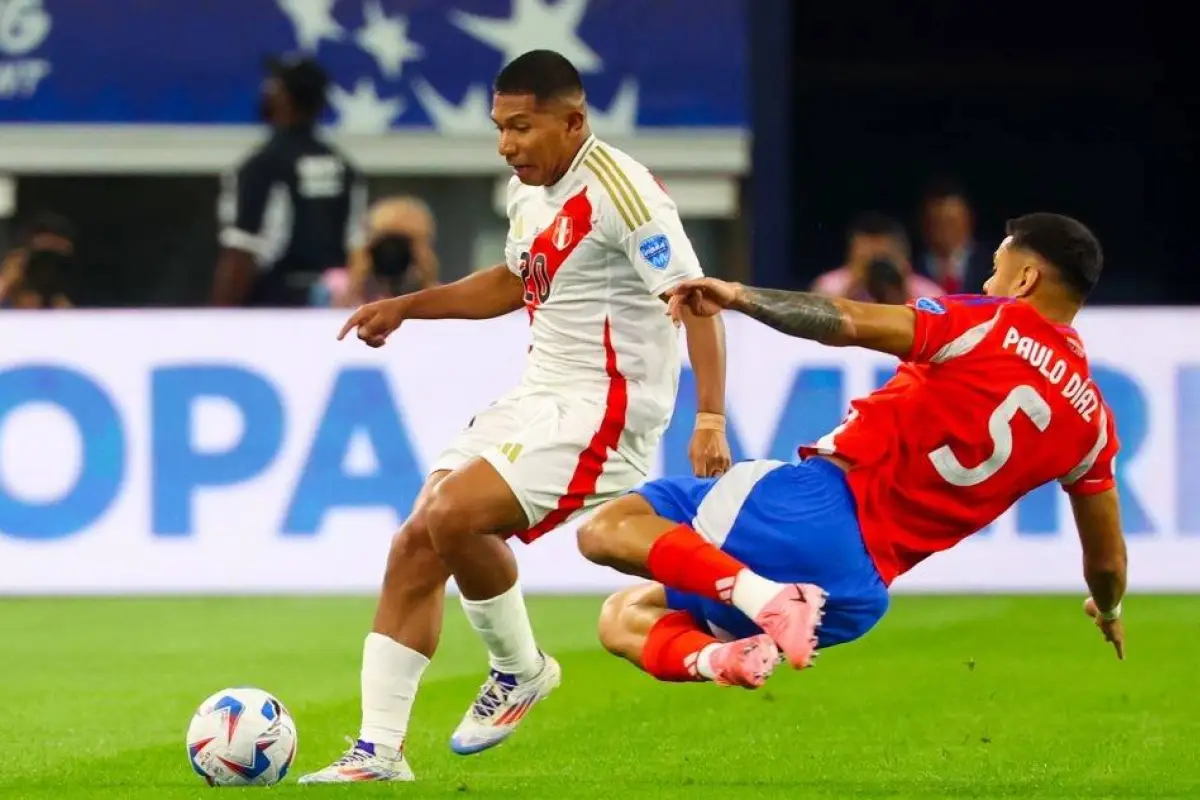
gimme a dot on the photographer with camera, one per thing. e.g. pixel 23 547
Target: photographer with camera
pixel 886 282
pixel 40 272
pixel 877 267
pixel 398 257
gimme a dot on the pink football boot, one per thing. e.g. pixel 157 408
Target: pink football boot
pixel 746 662
pixel 791 618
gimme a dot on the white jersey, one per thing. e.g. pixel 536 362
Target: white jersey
pixel 595 252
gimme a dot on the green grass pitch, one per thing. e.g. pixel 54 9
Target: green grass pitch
pixel 948 697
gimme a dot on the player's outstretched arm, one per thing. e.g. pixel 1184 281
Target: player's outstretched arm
pixel 832 321
pixel 491 292
pixel 709 449
pixel 488 293
pixel 1098 518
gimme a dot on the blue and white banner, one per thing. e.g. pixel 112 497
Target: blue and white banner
pixel 396 64
pixel 214 451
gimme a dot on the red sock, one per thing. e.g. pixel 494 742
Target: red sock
pixel 684 560
pixel 672 648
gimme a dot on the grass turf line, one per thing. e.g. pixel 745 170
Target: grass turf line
pixel 948 697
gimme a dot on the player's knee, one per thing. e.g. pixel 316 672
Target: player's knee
pixel 597 536
pixel 444 517
pixel 411 542
pixel 412 560
pixel 471 502
pixel 612 628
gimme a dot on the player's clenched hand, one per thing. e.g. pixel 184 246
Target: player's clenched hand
pixel 375 321
pixel 704 297
pixel 709 452
pixel 1113 630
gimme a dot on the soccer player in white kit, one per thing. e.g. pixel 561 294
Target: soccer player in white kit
pixel 594 245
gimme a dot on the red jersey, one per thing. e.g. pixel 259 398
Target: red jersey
pixel 993 402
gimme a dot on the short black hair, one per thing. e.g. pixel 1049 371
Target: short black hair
pixel 1063 242
pixel 545 74
pixel 874 223
pixel 304 80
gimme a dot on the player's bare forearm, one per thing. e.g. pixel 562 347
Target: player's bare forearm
pixel 234 278
pixel 488 293
pixel 709 447
pixel 1106 585
pixel 706 350
pixel 1105 561
pixel 830 320
pixel 801 314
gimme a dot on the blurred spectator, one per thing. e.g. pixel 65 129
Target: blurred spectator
pixel 877 265
pixel 39 272
pixel 292 208
pixel 953 259
pixel 398 257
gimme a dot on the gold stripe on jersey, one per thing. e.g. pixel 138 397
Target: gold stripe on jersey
pixel 620 189
pixel 603 154
pixel 618 195
pixel 588 146
pixel 639 214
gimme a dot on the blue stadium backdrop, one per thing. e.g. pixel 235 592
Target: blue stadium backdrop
pixel 397 64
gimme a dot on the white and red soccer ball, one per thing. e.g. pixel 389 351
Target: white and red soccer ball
pixel 242 737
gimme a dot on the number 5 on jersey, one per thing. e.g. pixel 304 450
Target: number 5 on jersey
pixel 1022 398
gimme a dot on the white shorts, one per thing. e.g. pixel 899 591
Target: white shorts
pixel 560 455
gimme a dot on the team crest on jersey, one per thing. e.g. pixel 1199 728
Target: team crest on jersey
pixel 561 236
pixel 656 250
pixel 931 305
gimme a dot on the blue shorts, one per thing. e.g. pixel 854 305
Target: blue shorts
pixel 791 523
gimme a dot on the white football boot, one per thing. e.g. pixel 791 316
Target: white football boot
pixel 501 704
pixel 364 762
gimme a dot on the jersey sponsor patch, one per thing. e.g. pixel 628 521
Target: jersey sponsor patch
pixel 930 304
pixel 656 250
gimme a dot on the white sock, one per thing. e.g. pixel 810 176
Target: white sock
pixel 390 674
pixel 704 661
pixel 752 591
pixel 504 625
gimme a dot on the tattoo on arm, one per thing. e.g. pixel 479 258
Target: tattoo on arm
pixel 808 316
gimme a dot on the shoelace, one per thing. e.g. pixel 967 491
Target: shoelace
pixel 492 695
pixel 353 755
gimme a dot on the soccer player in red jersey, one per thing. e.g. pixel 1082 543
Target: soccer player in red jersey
pixel 992 399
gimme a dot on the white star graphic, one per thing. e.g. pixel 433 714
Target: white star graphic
pixel 386 38
pixel 534 24
pixel 364 111
pixel 620 118
pixel 471 116
pixel 313 21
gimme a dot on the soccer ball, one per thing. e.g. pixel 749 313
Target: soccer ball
pixel 241 737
